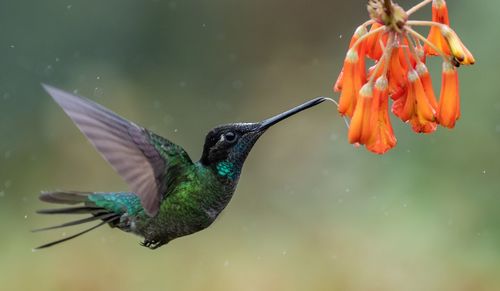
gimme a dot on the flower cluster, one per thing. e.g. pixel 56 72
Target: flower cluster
pixel 399 73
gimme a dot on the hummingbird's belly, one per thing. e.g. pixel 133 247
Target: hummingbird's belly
pixel 178 219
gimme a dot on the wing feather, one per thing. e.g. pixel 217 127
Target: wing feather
pixel 125 145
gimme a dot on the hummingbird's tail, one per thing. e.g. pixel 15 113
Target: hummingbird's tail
pixel 86 206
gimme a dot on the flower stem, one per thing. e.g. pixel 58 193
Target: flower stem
pixel 424 23
pixel 384 60
pixel 368 22
pixel 411 47
pixel 427 42
pixel 417 7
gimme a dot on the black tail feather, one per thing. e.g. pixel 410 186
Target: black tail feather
pixel 86 207
pixel 111 219
pixel 64 197
pixel 76 222
pixel 72 210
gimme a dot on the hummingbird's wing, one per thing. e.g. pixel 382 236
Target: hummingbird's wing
pixel 139 156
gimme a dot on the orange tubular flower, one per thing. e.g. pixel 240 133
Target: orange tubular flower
pixel 374 43
pixel 399 73
pixel 354 74
pixel 439 15
pixel 382 138
pixel 360 129
pixel 449 103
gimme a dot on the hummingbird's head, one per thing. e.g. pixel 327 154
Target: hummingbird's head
pixel 227 146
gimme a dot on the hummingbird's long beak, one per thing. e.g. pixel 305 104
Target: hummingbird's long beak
pixel 282 116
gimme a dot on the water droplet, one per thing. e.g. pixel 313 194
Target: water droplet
pixel 405 205
pixel 98 77
pixel 484 171
pixel 226 263
pixel 176 130
pixel 57 60
pixel 284 253
pixel 12 46
pixel 204 25
pixel 75 91
pixel 48 70
pixel 63 234
pixel 98 92
pixel 26 217
pixel 347 190
pixel 69 6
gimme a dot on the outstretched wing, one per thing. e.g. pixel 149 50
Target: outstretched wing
pixel 127 147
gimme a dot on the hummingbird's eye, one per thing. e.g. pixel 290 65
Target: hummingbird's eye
pixel 230 137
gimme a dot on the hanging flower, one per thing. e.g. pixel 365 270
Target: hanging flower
pixel 399 73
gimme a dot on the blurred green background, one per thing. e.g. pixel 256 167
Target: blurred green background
pixel 311 211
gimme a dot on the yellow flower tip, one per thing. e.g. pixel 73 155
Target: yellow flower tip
pixel 448 68
pixel 352 56
pixel 382 83
pixel 412 76
pixel 360 31
pixel 366 91
pixel 421 69
pixel 438 3
pixel 458 49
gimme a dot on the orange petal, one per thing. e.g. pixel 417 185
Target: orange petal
pixel 359 129
pixel 353 74
pixel 337 87
pixel 440 15
pixel 424 115
pixel 415 106
pixel 426 79
pixel 419 127
pixel 436 38
pixel 396 73
pixel 440 12
pixel 382 138
pixel 373 46
pixel 449 103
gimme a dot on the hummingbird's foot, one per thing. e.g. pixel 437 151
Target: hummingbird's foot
pixel 152 244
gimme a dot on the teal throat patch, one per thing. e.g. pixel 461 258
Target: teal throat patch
pixel 226 169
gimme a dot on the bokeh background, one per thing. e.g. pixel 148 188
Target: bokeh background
pixel 311 212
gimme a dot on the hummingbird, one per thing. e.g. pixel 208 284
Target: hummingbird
pixel 169 196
